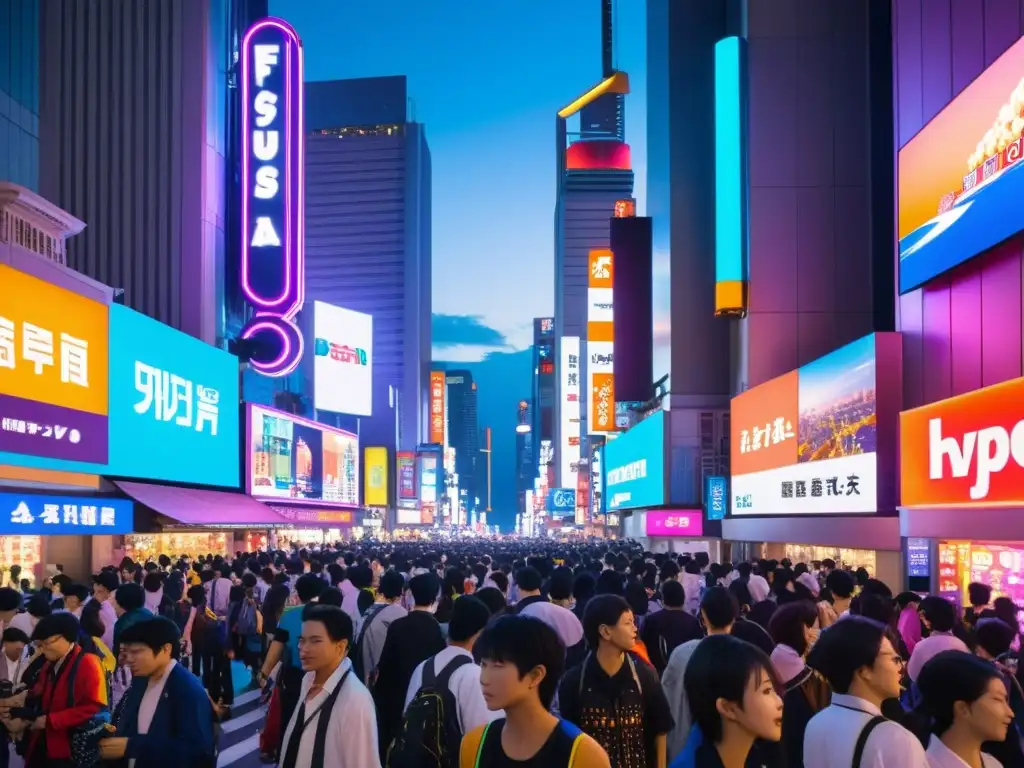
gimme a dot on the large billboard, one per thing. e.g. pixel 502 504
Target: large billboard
pixel 561 502
pixel 375 461
pixel 342 360
pixel 273 165
pixel 437 407
pixel 600 343
pixel 967 451
pixel 806 442
pixel 569 411
pixel 405 470
pixel 634 473
pixel 28 514
pixel 960 179
pixel 298 461
pixel 431 482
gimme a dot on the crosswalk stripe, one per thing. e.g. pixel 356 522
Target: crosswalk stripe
pixel 244 698
pixel 242 721
pixel 239 751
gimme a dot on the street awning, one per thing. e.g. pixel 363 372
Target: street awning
pixel 209 509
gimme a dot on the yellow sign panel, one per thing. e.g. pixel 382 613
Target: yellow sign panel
pixel 375 461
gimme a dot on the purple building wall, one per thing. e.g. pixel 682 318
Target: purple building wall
pixel 810 183
pixel 963 330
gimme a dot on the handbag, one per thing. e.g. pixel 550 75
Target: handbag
pixel 85 738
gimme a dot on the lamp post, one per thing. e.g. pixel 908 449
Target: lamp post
pixel 487 450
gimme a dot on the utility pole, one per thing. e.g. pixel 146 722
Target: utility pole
pixel 487 450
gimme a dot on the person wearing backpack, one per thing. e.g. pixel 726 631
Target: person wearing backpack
pixel 372 629
pixel 246 624
pixel 444 700
pixel 521 660
pixel 334 725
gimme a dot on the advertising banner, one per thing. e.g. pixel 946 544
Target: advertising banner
pixel 967 451
pixel 597 483
pixel 919 558
pixel 805 442
pixel 635 466
pixel 53 372
pixel 376 462
pixel 716 499
pixel 174 404
pixel 437 414
pixel 342 360
pixel 675 522
pixel 405 467
pixel 960 179
pixel 600 343
pixel 431 482
pixel 32 515
pixel 293 459
pixel 561 502
pixel 569 413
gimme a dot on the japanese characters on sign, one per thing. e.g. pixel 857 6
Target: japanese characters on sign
pixel 806 442
pixel 437 407
pixel 600 343
pixel 53 372
pixel 32 515
pixel 169 397
pixel 273 166
pixel 635 466
pixel 569 412
pixel 674 522
pixel 716 500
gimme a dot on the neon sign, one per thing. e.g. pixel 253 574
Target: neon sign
pixel 273 263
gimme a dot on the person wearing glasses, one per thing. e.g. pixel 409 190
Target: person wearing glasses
pixel 863 669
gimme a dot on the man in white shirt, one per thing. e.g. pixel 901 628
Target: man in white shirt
pixel 469 617
pixel 863 669
pixel 218 590
pixel 14 656
pixel 105 583
pixel 335 723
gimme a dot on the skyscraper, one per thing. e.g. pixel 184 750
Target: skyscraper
pixel 593 173
pixel 138 149
pixel 368 236
pixel 19 92
pixel 464 434
pixel 542 410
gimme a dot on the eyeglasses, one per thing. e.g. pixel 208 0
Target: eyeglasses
pixel 896 658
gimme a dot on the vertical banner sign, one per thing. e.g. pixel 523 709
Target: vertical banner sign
pixel 570 411
pixel 600 346
pixel 375 464
pixel 437 390
pixel 405 465
pixel 272 268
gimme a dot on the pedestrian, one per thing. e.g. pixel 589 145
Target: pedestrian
pixel 667 629
pixel 372 629
pixel 939 617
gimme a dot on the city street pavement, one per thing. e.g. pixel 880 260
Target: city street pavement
pixel 240 736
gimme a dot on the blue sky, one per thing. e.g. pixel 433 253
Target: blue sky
pixel 486 78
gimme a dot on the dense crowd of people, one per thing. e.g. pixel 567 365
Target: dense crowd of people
pixel 507 653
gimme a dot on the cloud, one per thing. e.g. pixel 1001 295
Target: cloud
pixel 449 331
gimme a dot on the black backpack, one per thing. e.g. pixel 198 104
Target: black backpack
pixel 431 733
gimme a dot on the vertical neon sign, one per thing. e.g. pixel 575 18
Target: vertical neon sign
pixel 273 184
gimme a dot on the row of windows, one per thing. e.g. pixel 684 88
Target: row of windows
pixel 19 51
pixel 360 130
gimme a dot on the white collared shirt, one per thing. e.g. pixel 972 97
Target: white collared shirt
pixel 464 685
pixel 941 756
pixel 831 738
pixel 13 670
pixel 352 733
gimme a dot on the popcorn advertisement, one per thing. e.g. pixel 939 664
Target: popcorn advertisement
pixel 960 179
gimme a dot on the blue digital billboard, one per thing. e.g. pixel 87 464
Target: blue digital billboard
pixel 27 514
pixel 561 502
pixel 716 499
pixel 635 466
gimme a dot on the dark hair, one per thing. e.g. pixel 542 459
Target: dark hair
pixel 949 677
pixel 500 581
pixel 493 598
pixel 719 608
pixel 196 595
pixel 130 596
pixel 39 605
pixel 876 587
pixel 337 623
pixel 469 616
pixel 15 635
pixel 788 623
pixel 527 643
pixel 672 594
pixel 330 596
pixel 308 587
pixel 63 624
pixel 424 588
pixel 903 599
pixel 609 583
pixel 873 606
pixel 528 578
pixel 153 581
pixel 10 599
pixel 602 611
pixel 939 612
pixel 92 623
pixel 840 583
pixel 361 576
pixel 153 633
pixel 844 648
pixel 364 600
pixel 391 585
pixel 721 667
pixel 979 594
pixel 994 636
pixel 636 596
pixel 1006 610
pixel 560 584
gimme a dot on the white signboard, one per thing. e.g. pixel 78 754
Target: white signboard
pixel 342 360
pixel 840 486
pixel 570 411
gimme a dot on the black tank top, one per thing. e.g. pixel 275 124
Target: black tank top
pixel 555 753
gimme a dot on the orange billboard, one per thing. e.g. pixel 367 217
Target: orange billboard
pixel 602 402
pixel 53 344
pixel 965 451
pixel 437 390
pixel 763 426
pixel 601 269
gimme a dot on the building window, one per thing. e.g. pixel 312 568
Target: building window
pixel 360 130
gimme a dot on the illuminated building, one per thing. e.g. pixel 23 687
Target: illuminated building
pixel 544 387
pixel 147 166
pixel 593 173
pixel 368 237
pixel 19 86
pixel 464 432
pixel 526 464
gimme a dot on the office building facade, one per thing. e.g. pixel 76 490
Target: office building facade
pixel 368 236
pixel 543 413
pixel 19 92
pixel 464 434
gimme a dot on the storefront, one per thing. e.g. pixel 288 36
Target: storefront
pixel 962 492
pixel 813 462
pixel 672 530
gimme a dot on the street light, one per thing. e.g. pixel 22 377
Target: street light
pixel 487 450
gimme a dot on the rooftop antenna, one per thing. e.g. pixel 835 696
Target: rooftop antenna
pixel 607 38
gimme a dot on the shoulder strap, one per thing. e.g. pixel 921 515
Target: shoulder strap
pixel 575 747
pixel 636 677
pixel 369 620
pixel 450 668
pixel 72 673
pixel 862 740
pixel 480 747
pixel 324 721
